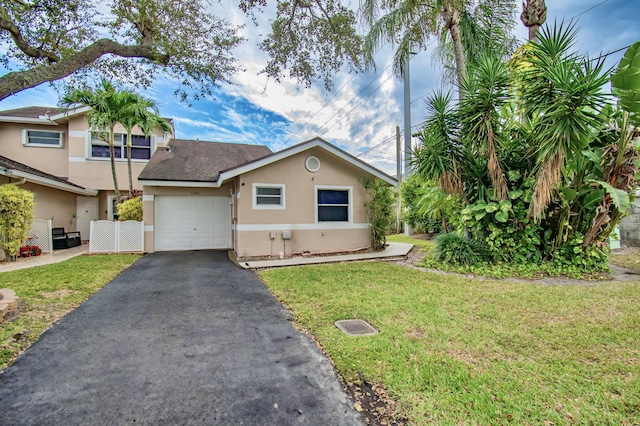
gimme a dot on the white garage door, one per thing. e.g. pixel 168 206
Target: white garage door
pixel 192 223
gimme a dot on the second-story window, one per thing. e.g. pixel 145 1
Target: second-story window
pixel 44 138
pixel 140 147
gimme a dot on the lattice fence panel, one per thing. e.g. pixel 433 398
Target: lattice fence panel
pixel 115 237
pixel 103 236
pixel 40 235
pixel 131 236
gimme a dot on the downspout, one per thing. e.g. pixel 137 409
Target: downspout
pixel 234 215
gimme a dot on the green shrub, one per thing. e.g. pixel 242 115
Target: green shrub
pixel 16 214
pixel 130 209
pixel 380 206
pixel 456 249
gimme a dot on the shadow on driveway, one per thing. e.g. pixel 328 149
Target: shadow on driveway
pixel 178 338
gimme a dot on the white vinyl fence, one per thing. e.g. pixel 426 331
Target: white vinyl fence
pixel 40 235
pixel 115 237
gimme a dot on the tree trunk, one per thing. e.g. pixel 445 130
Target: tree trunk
pixel 451 17
pixel 112 157
pixel 129 163
pixel 534 14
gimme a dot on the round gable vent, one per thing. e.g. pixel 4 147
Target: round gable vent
pixel 312 163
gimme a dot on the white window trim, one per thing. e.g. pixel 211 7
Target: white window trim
pixel 87 148
pixel 283 197
pixel 337 188
pixel 25 138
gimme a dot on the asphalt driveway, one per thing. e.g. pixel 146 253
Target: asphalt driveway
pixel 178 338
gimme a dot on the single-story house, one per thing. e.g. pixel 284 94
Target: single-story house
pixel 209 195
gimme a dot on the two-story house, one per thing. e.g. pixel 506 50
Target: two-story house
pixel 56 155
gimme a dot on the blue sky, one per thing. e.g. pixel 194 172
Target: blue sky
pixel 362 110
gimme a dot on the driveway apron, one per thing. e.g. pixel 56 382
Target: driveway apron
pixel 178 338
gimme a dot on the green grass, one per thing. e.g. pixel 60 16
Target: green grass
pixel 424 245
pixel 452 350
pixel 629 260
pixel 47 293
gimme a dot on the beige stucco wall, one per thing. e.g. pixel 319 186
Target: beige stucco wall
pixel 51 160
pixel 96 173
pixel 148 210
pixel 71 160
pixel 260 244
pixel 60 206
pixel 299 214
pixel 50 203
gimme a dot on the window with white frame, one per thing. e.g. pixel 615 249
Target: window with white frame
pixel 268 196
pixel 333 204
pixel 140 146
pixel 42 138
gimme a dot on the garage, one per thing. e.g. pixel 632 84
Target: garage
pixel 192 222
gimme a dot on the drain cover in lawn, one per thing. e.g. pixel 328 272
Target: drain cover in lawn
pixel 356 327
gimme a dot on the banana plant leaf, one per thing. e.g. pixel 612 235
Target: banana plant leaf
pixel 625 83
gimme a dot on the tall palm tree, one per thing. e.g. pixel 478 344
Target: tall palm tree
pixel 534 13
pixel 410 24
pixel 144 114
pixel 107 107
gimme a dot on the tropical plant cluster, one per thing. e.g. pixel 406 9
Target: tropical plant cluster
pixel 379 206
pixel 542 163
pixel 427 208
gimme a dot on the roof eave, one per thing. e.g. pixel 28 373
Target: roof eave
pixel 317 142
pixel 180 183
pixel 27 120
pixel 48 182
pixel 70 113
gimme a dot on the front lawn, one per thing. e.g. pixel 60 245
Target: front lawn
pixel 48 293
pixel 454 350
pixel 423 244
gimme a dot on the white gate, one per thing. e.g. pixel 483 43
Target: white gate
pixel 115 237
pixel 40 235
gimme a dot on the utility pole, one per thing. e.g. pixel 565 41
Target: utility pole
pixel 407 120
pixel 399 176
pixel 407 131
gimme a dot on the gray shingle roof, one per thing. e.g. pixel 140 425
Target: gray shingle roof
pixel 199 161
pixel 30 112
pixel 14 165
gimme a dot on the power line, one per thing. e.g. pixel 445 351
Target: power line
pixel 320 110
pixel 358 104
pixel 610 53
pixel 379 122
pixel 588 10
pixel 376 146
pixel 386 118
pixel 351 100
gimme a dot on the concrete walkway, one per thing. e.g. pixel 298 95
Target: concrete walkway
pixel 45 259
pixel 393 250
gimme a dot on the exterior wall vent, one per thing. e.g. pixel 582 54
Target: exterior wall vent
pixel 312 163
